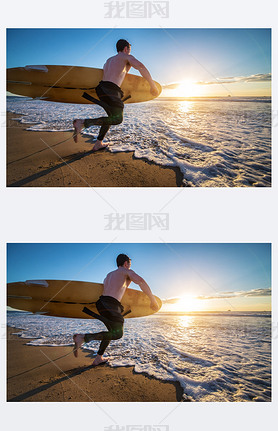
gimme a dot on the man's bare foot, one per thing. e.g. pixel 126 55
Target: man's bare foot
pixel 99 146
pixel 99 361
pixel 78 126
pixel 78 341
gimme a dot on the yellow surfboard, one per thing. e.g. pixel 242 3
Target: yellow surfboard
pixel 68 83
pixel 67 298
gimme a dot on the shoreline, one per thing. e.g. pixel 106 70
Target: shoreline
pixel 53 159
pixel 37 373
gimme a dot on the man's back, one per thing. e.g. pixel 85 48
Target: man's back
pixel 116 68
pixel 116 283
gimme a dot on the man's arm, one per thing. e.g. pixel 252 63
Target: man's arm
pixel 144 287
pixel 144 72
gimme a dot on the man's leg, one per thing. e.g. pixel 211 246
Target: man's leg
pixel 115 332
pixel 115 116
pixel 112 104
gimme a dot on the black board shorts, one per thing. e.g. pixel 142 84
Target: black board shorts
pixel 110 308
pixel 110 93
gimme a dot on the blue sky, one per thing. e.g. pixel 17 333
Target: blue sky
pixel 208 271
pixel 202 56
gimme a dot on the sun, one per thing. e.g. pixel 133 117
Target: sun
pixel 188 89
pixel 187 303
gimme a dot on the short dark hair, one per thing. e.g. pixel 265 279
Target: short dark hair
pixel 121 44
pixel 121 259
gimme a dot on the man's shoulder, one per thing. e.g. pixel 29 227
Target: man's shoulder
pixel 117 56
pixel 126 57
pixel 121 270
pixel 110 58
pixel 130 272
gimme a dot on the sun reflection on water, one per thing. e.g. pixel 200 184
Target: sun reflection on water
pixel 185 321
pixel 185 106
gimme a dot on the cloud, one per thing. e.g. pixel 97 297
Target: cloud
pixel 171 86
pixel 259 77
pixel 259 292
pixel 245 294
pixel 171 300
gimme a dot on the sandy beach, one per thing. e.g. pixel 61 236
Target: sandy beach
pixel 32 163
pixel 74 379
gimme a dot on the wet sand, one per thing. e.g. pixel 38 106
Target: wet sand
pixel 33 376
pixel 39 159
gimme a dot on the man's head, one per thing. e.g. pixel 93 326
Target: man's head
pixel 123 46
pixel 123 260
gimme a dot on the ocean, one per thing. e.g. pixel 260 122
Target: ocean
pixel 220 356
pixel 215 142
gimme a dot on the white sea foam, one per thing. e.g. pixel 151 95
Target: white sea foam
pixel 214 356
pixel 215 142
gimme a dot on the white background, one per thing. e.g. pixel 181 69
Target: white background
pixel 196 215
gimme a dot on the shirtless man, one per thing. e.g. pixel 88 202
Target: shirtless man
pixel 109 92
pixel 110 307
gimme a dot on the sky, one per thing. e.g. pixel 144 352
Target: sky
pixel 187 62
pixel 187 277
